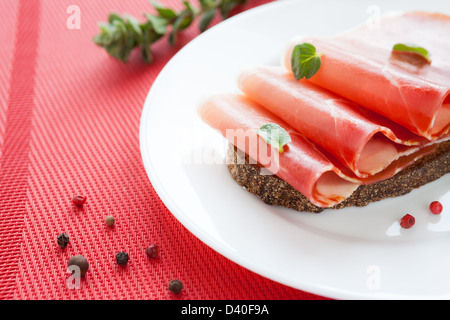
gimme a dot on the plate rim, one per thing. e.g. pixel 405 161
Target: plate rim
pixel 321 290
pixel 174 209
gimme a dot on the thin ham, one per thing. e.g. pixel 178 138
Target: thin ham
pixel 301 164
pixel 366 115
pixel 304 165
pixel 363 141
pixel 361 66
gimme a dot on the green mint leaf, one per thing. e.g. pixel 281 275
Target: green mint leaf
pixel 189 7
pixel 412 48
pixel 150 34
pixel 120 26
pixel 146 52
pixel 305 61
pixel 226 6
pixel 207 4
pixel 159 24
pixel 182 22
pixel 164 12
pixel 206 19
pixel 173 36
pixel 185 19
pixel 274 135
pixel 106 35
pixel 115 16
pixel 133 24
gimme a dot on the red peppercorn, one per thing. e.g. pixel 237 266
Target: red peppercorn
pixel 79 200
pixel 436 207
pixel 407 221
pixel 152 251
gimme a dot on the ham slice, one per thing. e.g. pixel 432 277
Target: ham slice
pixel 304 165
pixel 363 141
pixel 360 66
pixel 301 165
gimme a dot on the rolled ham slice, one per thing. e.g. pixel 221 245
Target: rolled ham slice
pixel 361 66
pixel 301 165
pixel 363 141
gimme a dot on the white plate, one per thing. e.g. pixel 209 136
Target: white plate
pixel 355 253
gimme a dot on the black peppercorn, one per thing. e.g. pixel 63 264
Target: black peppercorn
pixel 81 262
pixel 63 240
pixel 175 286
pixel 122 258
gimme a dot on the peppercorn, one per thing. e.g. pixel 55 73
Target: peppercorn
pixel 110 221
pixel 122 258
pixel 175 286
pixel 407 221
pixel 63 240
pixel 79 200
pixel 152 251
pixel 436 207
pixel 81 262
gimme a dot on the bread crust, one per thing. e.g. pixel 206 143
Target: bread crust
pixel 274 191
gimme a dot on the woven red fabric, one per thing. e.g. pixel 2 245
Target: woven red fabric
pixel 69 124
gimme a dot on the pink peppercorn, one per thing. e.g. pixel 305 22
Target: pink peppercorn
pixel 79 200
pixel 407 221
pixel 436 207
pixel 152 251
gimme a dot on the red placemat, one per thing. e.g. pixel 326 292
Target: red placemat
pixel 69 124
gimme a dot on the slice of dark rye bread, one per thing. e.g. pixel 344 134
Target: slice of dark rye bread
pixel 273 190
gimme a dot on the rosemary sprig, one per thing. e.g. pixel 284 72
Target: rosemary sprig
pixel 123 33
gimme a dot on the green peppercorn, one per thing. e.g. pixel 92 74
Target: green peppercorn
pixel 110 221
pixel 175 286
pixel 81 262
pixel 63 240
pixel 122 258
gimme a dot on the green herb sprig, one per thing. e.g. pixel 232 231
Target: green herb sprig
pixel 305 61
pixel 123 33
pixel 412 49
pixel 274 135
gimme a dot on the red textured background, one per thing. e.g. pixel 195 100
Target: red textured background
pixel 69 123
